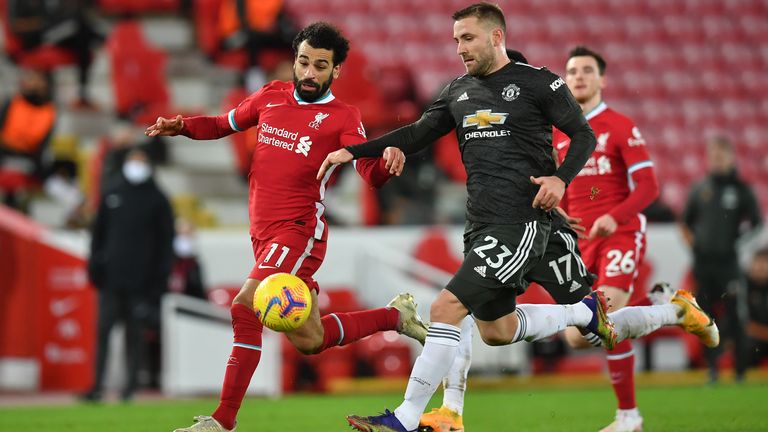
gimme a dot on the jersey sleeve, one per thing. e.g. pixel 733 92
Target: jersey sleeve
pixel 563 112
pixel 438 115
pixel 558 104
pixel 371 169
pixel 640 173
pixel 434 123
pixel 238 119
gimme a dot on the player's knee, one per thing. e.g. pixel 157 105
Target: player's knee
pixel 245 298
pixel 308 345
pixel 447 309
pixel 495 337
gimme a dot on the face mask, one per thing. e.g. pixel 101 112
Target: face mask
pixel 35 98
pixel 184 246
pixel 136 172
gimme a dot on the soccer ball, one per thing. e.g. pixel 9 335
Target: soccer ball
pixel 282 302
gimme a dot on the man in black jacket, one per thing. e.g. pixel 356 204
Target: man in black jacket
pixel 721 209
pixel 131 256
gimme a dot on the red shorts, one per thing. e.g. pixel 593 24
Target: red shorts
pixel 291 252
pixel 615 259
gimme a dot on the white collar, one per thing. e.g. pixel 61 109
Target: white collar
pixel 602 106
pixel 323 100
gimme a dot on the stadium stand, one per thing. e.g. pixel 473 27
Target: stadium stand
pixel 682 80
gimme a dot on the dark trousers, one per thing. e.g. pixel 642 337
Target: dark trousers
pixel 722 294
pixel 126 307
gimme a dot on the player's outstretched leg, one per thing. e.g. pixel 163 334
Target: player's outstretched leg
pixel 340 329
pixel 694 320
pixel 409 322
pixel 205 424
pixel 669 308
pixel 600 325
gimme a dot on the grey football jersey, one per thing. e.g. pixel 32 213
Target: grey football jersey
pixel 503 123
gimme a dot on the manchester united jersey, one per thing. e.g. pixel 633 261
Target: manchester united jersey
pixel 293 138
pixel 606 179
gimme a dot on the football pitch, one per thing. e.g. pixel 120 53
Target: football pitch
pixel 725 407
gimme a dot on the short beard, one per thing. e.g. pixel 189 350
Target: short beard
pixel 311 95
pixel 483 64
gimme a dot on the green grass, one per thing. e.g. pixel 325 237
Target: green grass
pixel 698 408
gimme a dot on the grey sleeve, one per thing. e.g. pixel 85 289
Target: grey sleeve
pixel 434 123
pixel 562 110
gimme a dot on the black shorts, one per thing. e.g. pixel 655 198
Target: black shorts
pixel 562 272
pixel 496 260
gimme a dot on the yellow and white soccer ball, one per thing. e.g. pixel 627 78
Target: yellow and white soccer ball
pixel 282 302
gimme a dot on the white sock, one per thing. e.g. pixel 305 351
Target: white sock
pixel 430 368
pixel 455 383
pixel 578 314
pixel 541 321
pixel 636 321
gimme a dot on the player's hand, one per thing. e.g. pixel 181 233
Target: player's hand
pixel 165 127
pixel 395 160
pixel 335 158
pixel 551 191
pixel 604 226
pixel 574 223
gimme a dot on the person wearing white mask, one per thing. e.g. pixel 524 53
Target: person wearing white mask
pixel 129 265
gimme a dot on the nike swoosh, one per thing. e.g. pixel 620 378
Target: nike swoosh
pixel 262 266
pixel 270 105
pixel 561 144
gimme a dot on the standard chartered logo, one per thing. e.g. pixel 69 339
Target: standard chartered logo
pixel 285 139
pixel 304 144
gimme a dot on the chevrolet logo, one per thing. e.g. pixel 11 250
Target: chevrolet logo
pixel 484 119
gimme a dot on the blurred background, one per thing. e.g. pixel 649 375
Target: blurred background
pixel 81 79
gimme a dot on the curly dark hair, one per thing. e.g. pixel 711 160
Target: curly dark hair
pixel 326 36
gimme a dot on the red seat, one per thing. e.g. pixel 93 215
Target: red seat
pixel 138 6
pixel 387 353
pixel 338 300
pixel 44 57
pixel 138 74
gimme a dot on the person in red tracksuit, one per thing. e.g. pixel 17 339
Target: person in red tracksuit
pixel 298 123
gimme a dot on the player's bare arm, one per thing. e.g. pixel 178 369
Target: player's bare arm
pixel 165 127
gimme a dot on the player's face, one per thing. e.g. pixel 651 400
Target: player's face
pixel 474 43
pixel 720 159
pixel 583 78
pixel 313 72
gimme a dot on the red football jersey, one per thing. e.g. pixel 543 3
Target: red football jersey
pixel 293 139
pixel 606 180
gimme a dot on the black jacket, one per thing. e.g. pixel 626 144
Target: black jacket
pixel 132 243
pixel 716 211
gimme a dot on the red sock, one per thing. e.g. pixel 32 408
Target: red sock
pixel 242 363
pixel 343 328
pixel 621 365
